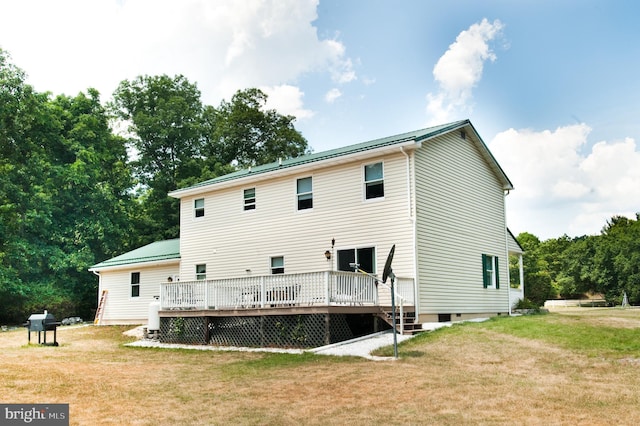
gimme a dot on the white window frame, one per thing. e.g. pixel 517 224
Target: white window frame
pixel 198 211
pixel 307 193
pixel 136 284
pixel 491 273
pixel 248 204
pixel 272 268
pixel 201 274
pixel 366 183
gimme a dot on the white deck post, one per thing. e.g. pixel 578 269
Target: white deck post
pixel 327 292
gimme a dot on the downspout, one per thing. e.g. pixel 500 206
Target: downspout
pixel 506 243
pixel 412 219
pixel 96 273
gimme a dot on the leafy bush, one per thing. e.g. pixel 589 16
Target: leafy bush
pixel 527 304
pixel 538 287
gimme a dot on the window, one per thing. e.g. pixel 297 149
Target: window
pixel 277 265
pixel 365 257
pixel 135 284
pixel 250 199
pixel 198 207
pixel 490 271
pixel 305 193
pixel 201 272
pixel 373 181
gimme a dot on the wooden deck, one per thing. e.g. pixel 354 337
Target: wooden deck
pixel 322 292
pixel 281 310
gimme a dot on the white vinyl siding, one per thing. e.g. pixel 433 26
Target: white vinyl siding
pixel 232 244
pixel 460 216
pixel 120 307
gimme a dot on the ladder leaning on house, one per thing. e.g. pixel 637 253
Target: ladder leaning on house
pixel 100 310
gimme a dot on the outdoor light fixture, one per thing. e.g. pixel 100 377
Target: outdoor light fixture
pixel 327 254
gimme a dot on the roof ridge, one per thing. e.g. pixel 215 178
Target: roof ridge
pixel 418 135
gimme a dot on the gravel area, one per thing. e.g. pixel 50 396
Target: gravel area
pixel 357 347
pixel 148 343
pixel 361 346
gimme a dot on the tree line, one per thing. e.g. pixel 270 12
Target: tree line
pixel 74 192
pixel 607 264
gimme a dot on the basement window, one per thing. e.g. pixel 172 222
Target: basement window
pixel 444 317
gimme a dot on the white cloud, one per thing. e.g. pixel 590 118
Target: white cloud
pixel 287 100
pixel 332 95
pixel 459 69
pixel 224 46
pixel 535 161
pixel 562 186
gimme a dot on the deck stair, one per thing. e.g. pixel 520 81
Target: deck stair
pixel 411 326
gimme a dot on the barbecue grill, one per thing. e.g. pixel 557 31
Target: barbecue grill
pixel 43 323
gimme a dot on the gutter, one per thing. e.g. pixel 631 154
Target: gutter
pixel 506 246
pixel 414 230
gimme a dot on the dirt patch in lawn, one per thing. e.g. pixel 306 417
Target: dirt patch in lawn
pixel 462 375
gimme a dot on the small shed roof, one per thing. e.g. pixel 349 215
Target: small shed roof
pixel 514 244
pixel 159 251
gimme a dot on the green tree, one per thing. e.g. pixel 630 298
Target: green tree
pixel 165 122
pixel 24 205
pixel 243 132
pixel 576 277
pixel 64 198
pixel 90 184
pixel 617 259
pixel 537 278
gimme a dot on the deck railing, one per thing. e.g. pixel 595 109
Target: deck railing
pixel 270 291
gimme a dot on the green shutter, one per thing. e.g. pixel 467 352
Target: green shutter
pixel 497 272
pixel 486 278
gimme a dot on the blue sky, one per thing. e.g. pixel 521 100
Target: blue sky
pixel 551 86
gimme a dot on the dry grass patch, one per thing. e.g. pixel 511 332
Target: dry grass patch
pixel 489 373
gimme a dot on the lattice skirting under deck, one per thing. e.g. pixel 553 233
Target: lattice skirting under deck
pixel 293 331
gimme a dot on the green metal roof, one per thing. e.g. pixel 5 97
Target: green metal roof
pixel 154 252
pixel 416 135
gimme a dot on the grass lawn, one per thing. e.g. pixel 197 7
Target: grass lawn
pixel 573 366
